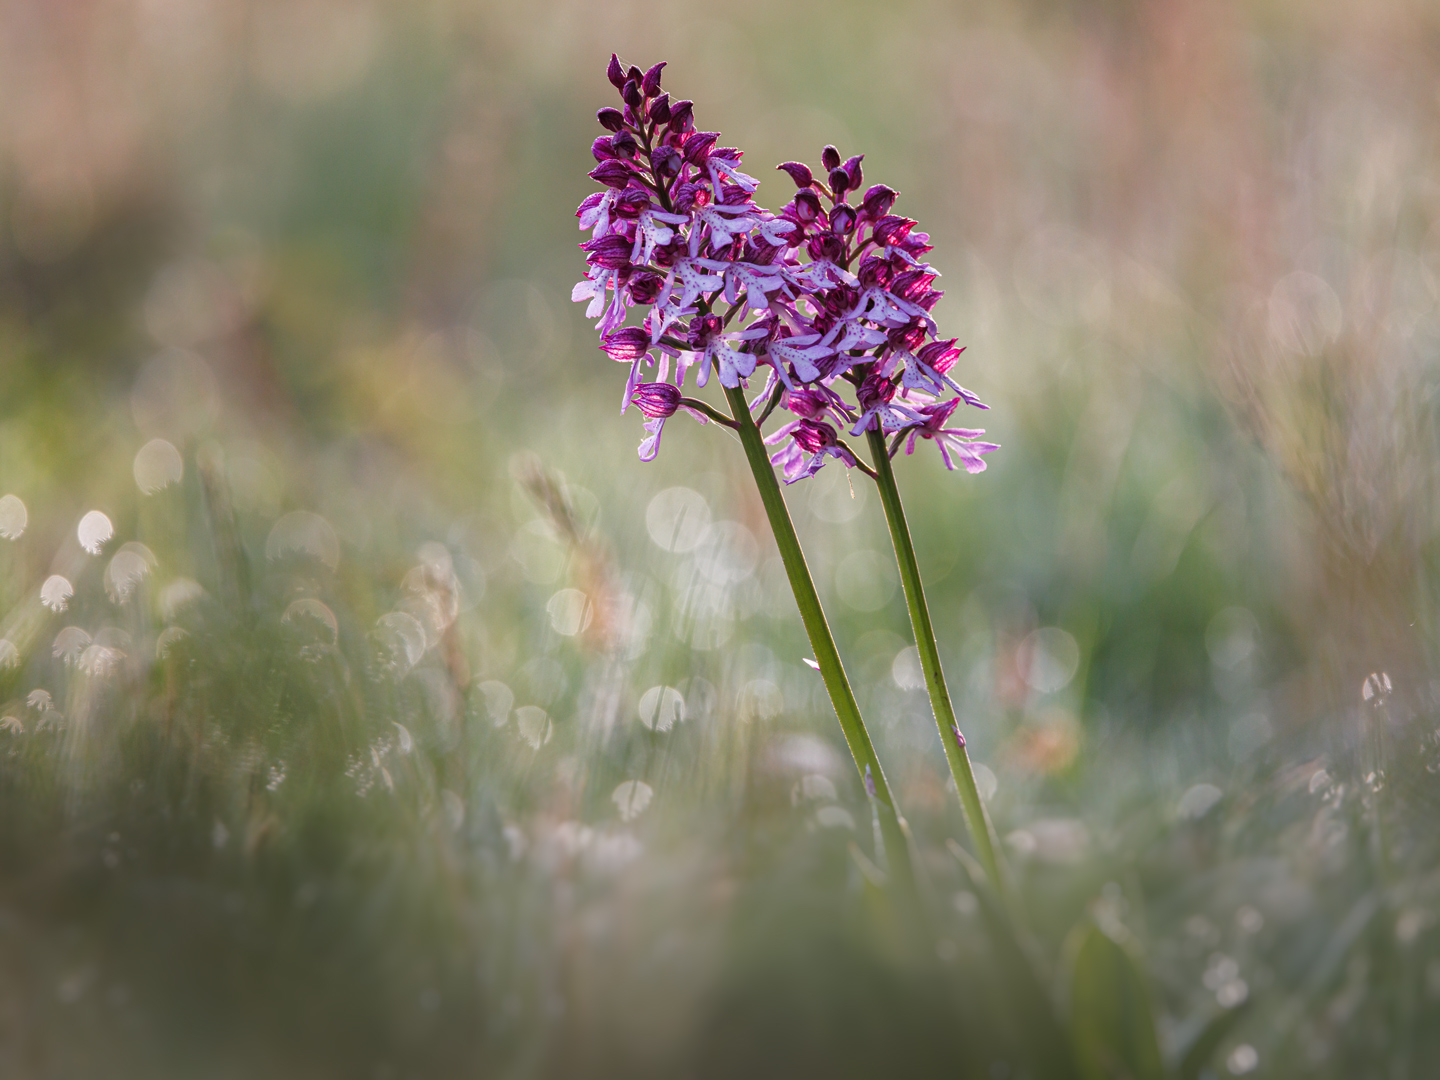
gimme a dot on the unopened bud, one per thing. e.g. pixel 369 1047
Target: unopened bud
pixel 611 119
pixel 839 182
pixel 666 160
pixel 830 158
pixel 623 144
pixel 797 171
pixel 660 109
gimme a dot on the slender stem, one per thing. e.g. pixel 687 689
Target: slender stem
pixel 713 413
pixel 827 657
pixel 950 737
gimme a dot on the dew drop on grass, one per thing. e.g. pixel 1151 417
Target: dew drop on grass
pixel 727 554
pixel 1049 657
pixel 9 655
pixel 403 738
pixel 158 465
pixel 834 817
pixel 94 532
pixel 40 700
pixel 402 638
pixel 55 594
pixel 631 798
pixel 69 644
pixel 177 595
pixel 130 566
pixel 499 700
pixel 986 782
pixel 661 708
pixel 760 699
pixel 570 612
pixel 1376 687
pixel 100 660
pixel 906 669
pixel 168 639
pixel 677 519
pixel 817 786
pixel 1197 802
pixel 1242 1060
pixel 13 518
pixel 304 534
pixel 534 725
pixel 313 624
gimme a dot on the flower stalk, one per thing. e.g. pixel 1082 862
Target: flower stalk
pixel 956 754
pixel 827 657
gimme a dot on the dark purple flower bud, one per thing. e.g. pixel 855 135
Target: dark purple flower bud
pixel 878 200
pixel 828 246
pixel 875 390
pixel 631 202
pixel 656 399
pixel 808 404
pixel 839 182
pixel 959 738
pixel 627 344
pixel 611 119
pixel 611 251
pixel 684 196
pixel 891 230
pixel 697 146
pixel 613 173
pixel 702 329
pixel 632 95
pixel 842 220
pixel 830 158
pixel 651 81
pixel 814 435
pixel 807 205
pixel 908 337
pixel 633 74
pixel 660 109
pixel 682 116
pixel 940 355
pixel 852 170
pixel 603 148
pixel 666 161
pixel 874 271
pixel 798 172
pixel 644 288
pixel 615 72
pixel 624 144
pixel 912 284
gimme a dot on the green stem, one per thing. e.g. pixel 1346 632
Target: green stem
pixel 955 753
pixel 827 657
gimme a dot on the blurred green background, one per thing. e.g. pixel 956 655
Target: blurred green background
pixel 330 778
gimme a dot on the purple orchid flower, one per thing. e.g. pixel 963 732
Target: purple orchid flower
pixel 831 292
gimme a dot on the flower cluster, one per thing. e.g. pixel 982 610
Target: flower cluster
pixel 830 292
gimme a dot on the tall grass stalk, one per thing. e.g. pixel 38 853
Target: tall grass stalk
pixel 827 657
pixel 981 833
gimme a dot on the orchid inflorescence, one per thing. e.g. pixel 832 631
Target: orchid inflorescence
pixel 826 293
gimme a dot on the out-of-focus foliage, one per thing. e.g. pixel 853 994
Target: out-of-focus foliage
pixel 395 721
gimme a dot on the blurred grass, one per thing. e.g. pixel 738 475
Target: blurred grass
pixel 325 249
